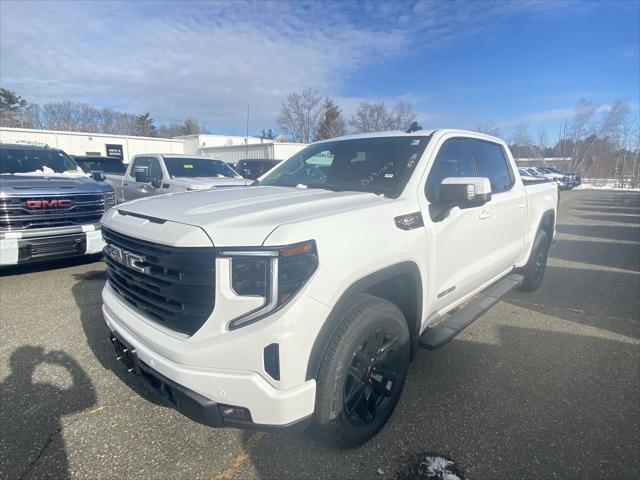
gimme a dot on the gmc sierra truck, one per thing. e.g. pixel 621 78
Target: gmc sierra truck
pixel 302 298
pixel 153 174
pixel 49 207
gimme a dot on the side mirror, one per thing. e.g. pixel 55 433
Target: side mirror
pixel 142 175
pixel 464 192
pixel 98 175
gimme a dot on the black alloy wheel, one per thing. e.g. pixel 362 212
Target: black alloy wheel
pixel 371 378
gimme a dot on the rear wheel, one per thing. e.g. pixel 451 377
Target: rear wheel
pixel 362 372
pixel 535 268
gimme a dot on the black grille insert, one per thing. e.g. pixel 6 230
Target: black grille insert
pixel 172 285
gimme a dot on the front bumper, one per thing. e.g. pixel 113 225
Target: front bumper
pixel 26 247
pixel 226 369
pixel 191 404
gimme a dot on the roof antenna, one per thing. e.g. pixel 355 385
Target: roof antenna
pixel 414 127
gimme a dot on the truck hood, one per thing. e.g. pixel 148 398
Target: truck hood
pixel 204 183
pixel 246 216
pixel 39 185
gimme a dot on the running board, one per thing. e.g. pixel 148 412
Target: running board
pixel 436 337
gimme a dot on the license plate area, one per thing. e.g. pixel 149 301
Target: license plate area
pixel 126 354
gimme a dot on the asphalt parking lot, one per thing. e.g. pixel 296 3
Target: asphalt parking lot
pixel 545 385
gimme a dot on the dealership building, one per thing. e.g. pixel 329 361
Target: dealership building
pixel 229 148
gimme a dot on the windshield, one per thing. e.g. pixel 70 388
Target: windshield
pixel 36 161
pixel 376 165
pixel 198 167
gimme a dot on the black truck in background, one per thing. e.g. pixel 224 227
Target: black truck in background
pixel 49 207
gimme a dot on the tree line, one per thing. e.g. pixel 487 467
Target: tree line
pixel 599 142
pixel 80 117
pixel 305 117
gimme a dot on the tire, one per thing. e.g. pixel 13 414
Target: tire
pixel 535 268
pixel 356 396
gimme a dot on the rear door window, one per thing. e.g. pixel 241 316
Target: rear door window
pixel 491 163
pixel 453 160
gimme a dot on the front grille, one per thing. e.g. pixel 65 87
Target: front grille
pixel 176 286
pixel 29 212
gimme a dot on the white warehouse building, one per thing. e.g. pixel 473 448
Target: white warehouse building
pixel 229 148
pixel 94 144
pixel 269 150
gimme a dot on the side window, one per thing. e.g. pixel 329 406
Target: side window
pixel 453 160
pixel 492 164
pixel 155 170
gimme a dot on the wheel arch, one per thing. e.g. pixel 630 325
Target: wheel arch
pixel 400 284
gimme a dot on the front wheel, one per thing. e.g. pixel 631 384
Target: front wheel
pixel 362 372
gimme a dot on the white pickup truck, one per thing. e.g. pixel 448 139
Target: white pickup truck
pixel 302 299
pixel 154 174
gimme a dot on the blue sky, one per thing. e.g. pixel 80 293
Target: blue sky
pixel 457 62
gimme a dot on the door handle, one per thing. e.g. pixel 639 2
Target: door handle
pixel 520 206
pixel 485 214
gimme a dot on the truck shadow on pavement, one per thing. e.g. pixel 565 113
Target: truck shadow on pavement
pixel 31 413
pixel 87 293
pixel 526 403
pixel 49 265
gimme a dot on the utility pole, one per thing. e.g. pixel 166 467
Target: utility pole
pixel 246 140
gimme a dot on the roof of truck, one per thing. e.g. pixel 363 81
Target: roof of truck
pixel 417 133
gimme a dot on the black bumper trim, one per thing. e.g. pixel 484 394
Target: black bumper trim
pixel 189 403
pixel 51 248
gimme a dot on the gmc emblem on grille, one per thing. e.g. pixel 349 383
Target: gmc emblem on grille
pixel 53 203
pixel 125 258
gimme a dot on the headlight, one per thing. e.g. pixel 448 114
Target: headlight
pixel 109 200
pixel 274 274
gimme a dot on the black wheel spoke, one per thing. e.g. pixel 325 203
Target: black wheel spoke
pixel 381 388
pixel 354 397
pixel 384 370
pixel 371 377
pixel 357 373
pixel 385 349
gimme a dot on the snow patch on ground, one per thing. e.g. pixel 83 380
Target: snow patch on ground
pixel 590 186
pixel 430 467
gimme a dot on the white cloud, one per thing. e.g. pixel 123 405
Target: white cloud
pixel 210 60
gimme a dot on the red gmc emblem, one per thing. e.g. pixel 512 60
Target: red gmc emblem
pixel 53 203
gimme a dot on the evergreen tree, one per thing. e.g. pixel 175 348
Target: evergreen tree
pixel 145 126
pixel 332 123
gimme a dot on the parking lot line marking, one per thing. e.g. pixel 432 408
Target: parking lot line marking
pixel 240 459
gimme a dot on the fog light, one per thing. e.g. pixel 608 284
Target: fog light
pixel 235 413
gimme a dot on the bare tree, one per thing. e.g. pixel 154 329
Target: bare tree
pixel 374 117
pixel 401 116
pixel 581 127
pixel 370 117
pixel 192 126
pixel 299 115
pixel 617 128
pixel 489 128
pixel 543 141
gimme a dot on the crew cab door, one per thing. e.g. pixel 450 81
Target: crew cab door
pixel 468 247
pixel 133 189
pixel 508 206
